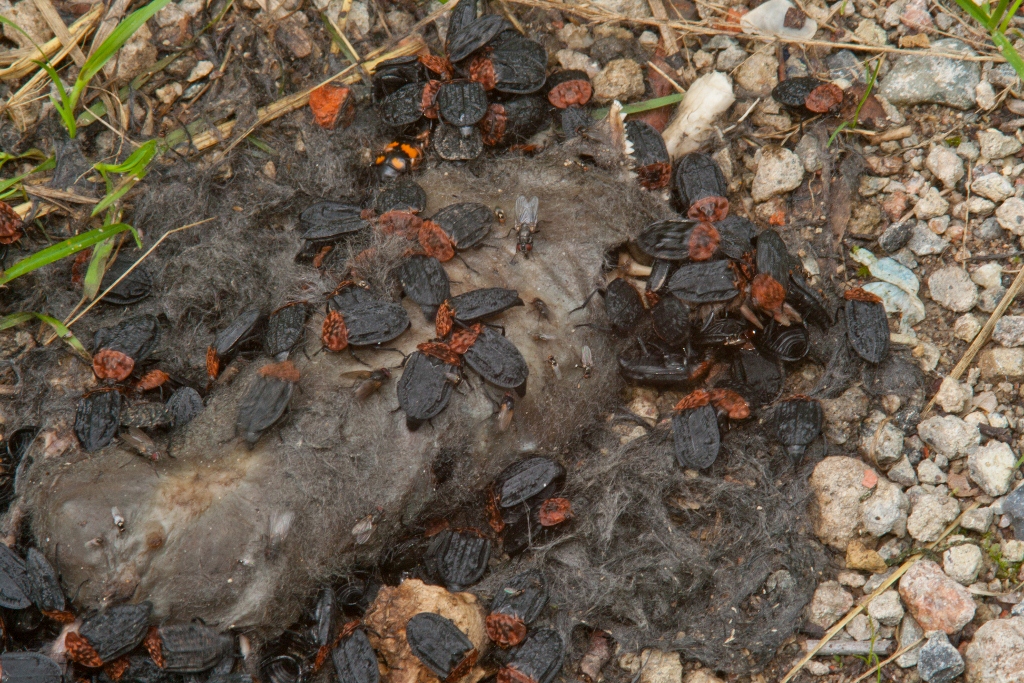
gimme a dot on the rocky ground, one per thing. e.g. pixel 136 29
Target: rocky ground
pixel 931 179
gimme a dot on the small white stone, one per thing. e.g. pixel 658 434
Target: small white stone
pixel 814 667
pixel 1012 551
pixel 945 165
pixel 952 288
pixel 169 93
pixel 953 396
pixel 1010 215
pixel 962 563
pixel 1009 331
pixel 986 95
pixel 929 473
pixel 978 519
pixel 886 608
pixel 988 275
pixel 200 70
pixel 966 327
pixel 991 467
pixel 993 186
pixel 930 205
pixel 995 145
pixel 851 578
pixel 649 39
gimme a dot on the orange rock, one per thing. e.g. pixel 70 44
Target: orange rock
pixel 332 104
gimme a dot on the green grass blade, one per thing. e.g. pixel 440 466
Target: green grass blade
pixel 638 107
pixel 115 195
pixel 8 22
pixel 97 268
pixel 9 321
pixel 979 15
pixel 118 37
pixel 139 159
pixel 1011 54
pixel 63 249
pixel 45 166
pixel 997 15
pixel 1009 15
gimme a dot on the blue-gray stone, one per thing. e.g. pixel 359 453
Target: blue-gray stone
pixel 933 80
pixel 938 661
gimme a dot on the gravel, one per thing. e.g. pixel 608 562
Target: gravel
pixel 1001 364
pixel 944 163
pixel 954 396
pixel 918 79
pixel 886 608
pixel 949 435
pixel 939 661
pixel 621 79
pixel 930 514
pixel 951 288
pixel 966 327
pixel 993 186
pixel 830 603
pixel 924 242
pixel 995 145
pixel 779 171
pixel 962 563
pixel 935 601
pixel 931 205
pixel 1010 215
pixel 996 653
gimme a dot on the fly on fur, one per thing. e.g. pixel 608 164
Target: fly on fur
pixel 526 224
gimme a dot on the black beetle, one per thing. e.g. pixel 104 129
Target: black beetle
pixel 116 631
pixel 135 337
pixel 462 103
pixel 538 660
pixel 570 88
pixel 369 319
pixel 661 271
pixel 517 65
pixel 183 405
pixel 703 283
pixel 440 645
pixel 328 222
pixel 624 306
pixel 401 195
pixel 498 361
pixel 701 188
pixel 650 156
pixel 284 329
pixel 658 369
pixel 671 320
pixel 402 107
pixel 47 593
pixel 736 236
pixel 514 121
pixel 480 304
pixel 679 240
pixel 758 379
pixel 29 667
pixel 354 660
pixel 454 144
pixel 15 586
pixel 190 648
pixel 97 418
pixel 695 431
pixel 797 423
pixel 392 74
pixel 425 281
pixel 266 400
pixel 785 343
pixel 467 224
pixel 135 287
pixel 516 605
pixel 474 35
pixel 424 389
pixel 146 415
pixel 867 325
pixel 458 558
pixel 773 257
pixel 526 480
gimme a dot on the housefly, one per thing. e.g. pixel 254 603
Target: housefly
pixel 526 224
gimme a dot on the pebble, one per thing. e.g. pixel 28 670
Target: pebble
pixel 996 653
pixel 951 288
pixel 730 58
pixel 910 632
pixel 575 37
pixel 830 603
pixel 985 96
pixel 930 515
pixel 978 519
pixel 816 668
pixel 702 676
pixel 845 65
pixel 939 661
pixel 169 93
pixel 968 150
pixel 1003 76
pixel 810 157
pixel 935 601
pixel 954 396
pixel 200 70
pixel 621 79
pixel 571 59
pixel 1010 215
pixel 967 327
pixel 1009 330
pixel 885 510
pixel 929 473
pixel 861 627
pixel 1012 551
pixel 871 185
pixel 884 444
pixel 995 145
pixel 758 74
pixel 945 165
pixel 916 17
pixel 990 298
pixel 720 42
pixel 635 9
pixel 997 363
pixel 962 563
pixel 837 488
pixel 895 236
pixel 850 578
pixel 1013 508
pixel 993 186
pixel 989 229
pixel 778 171
pixel 886 608
pixel 924 242
pixel 988 275
pixel 870 32
pixel 949 435
pixel 702 60
pixel 930 205
pixel 843 413
pixel 919 79
pixel 903 473
pixel 977 206
pixel 649 40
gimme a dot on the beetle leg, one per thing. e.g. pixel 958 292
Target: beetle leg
pixel 749 315
pixel 585 302
pixel 357 358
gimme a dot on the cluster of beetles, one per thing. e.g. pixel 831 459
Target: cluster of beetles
pixel 720 310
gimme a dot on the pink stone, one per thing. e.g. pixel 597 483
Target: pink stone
pixel 916 16
pixel 937 602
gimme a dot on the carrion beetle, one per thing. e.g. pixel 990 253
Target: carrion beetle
pixel 231 339
pixel 704 282
pixel 516 65
pixel 650 155
pixel 328 222
pixel 266 400
pixel 15 586
pixel 401 195
pixel 186 648
pixel 29 667
pixel 454 144
pixel 797 422
pixel 530 479
pixel 695 431
pixel 679 240
pixel 284 329
pixel 867 325
pixel 757 378
pixel 183 405
pixel 136 285
pixel 787 343
pixel 736 236
pixel 513 121
pixel 466 224
pixel 368 320
pixel 623 305
pixel 458 558
pixel 461 103
pixel 354 659
pixel 660 369
pixel 498 361
pixel 97 418
pixel 112 633
pixel 425 281
pixel 516 605
pixel 808 95
pixel 671 320
pixel 480 304
pixel 440 645
pixel 570 88
pixel 392 74
pixel 404 106
pixel 424 389
pixel 701 188
pixel 538 660
pixel 474 35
